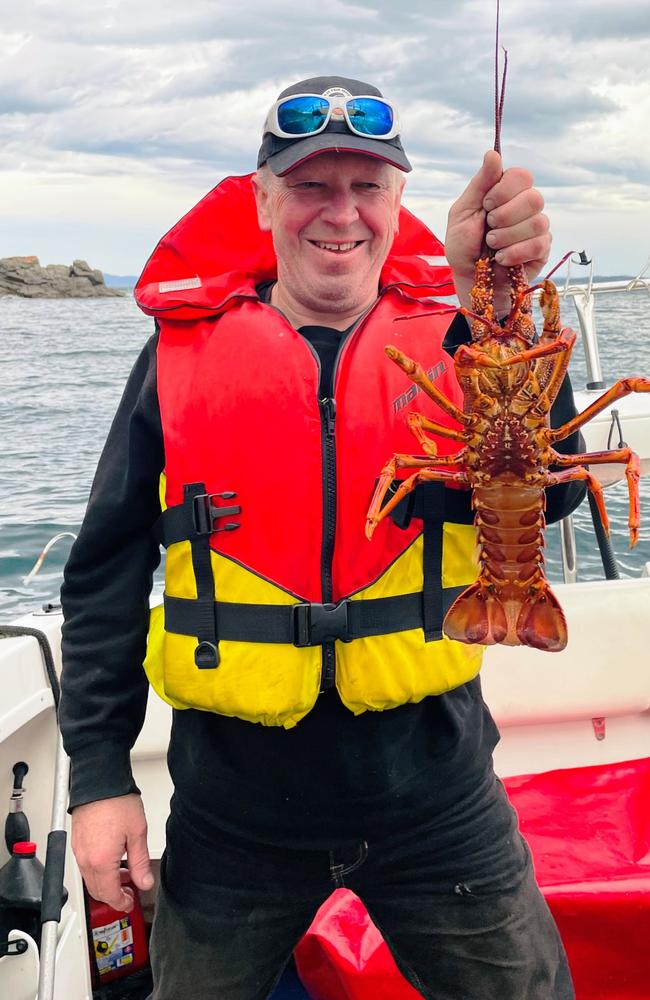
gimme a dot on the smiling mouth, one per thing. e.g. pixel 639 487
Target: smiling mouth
pixel 337 248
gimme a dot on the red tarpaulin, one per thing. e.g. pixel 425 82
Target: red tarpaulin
pixel 589 832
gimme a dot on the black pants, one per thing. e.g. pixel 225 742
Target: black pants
pixel 463 918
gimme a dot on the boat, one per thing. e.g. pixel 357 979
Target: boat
pixel 574 726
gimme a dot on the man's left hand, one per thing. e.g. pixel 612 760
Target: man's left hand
pixel 518 230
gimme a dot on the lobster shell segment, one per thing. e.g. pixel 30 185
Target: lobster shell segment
pixel 511 602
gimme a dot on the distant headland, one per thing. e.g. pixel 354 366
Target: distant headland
pixel 24 276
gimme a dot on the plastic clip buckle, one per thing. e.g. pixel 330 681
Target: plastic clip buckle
pixel 205 514
pixel 314 624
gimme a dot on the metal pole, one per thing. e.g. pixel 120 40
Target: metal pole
pixel 568 546
pixel 53 880
pixel 584 303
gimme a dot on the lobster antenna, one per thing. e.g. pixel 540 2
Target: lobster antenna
pixel 556 267
pixel 499 92
pixel 499 96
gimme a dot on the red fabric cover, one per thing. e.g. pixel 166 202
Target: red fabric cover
pixel 589 832
pixel 343 956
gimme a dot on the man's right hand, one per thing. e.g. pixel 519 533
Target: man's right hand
pixel 102 832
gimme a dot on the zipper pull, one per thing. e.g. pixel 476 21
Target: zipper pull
pixel 329 409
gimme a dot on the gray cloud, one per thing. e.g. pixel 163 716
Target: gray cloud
pixel 160 92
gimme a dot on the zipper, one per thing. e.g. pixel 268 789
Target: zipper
pixel 327 410
pixel 327 407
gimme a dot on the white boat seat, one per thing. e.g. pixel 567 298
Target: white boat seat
pixel 609 640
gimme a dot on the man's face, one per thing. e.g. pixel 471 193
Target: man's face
pixel 333 220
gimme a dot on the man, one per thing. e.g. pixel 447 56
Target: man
pixel 267 400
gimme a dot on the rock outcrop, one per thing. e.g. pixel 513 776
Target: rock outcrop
pixel 24 276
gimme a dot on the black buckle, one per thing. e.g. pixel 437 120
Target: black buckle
pixel 205 514
pixel 314 624
pixel 206 656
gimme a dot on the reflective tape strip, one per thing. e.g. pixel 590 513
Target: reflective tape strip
pixel 179 286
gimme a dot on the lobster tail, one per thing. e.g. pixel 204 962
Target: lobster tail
pixel 481 616
pixel 541 622
pixel 477 616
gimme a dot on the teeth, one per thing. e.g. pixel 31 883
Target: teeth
pixel 335 246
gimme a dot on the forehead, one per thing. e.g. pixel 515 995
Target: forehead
pixel 341 165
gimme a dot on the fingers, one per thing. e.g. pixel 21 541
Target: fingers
pixel 486 180
pixel 101 832
pixel 512 182
pixel 519 230
pixel 523 205
pixel 104 882
pixel 527 241
pixel 137 856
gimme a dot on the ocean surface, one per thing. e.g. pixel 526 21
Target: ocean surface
pixel 62 369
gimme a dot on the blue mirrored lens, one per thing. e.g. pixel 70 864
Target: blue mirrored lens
pixel 302 115
pixel 369 116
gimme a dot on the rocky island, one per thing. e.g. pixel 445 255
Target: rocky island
pixel 24 276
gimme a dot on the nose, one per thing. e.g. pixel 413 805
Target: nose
pixel 340 210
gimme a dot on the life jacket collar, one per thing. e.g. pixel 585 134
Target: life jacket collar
pixel 217 254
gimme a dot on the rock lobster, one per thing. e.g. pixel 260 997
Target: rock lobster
pixel 509 383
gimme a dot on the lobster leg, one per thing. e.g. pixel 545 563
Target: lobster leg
pixel 549 372
pixel 632 473
pixel 570 475
pixel 550 386
pixel 417 374
pixel 418 424
pixel 621 388
pixel 549 303
pixel 564 343
pixel 469 356
pixel 377 513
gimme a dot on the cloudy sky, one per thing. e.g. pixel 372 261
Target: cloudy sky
pixel 117 115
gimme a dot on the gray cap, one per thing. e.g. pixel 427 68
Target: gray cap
pixel 282 155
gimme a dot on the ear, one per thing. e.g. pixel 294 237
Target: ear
pixel 262 200
pixel 399 190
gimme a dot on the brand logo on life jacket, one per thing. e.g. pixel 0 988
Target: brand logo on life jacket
pixel 406 397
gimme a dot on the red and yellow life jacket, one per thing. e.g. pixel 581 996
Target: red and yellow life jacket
pixel 272 591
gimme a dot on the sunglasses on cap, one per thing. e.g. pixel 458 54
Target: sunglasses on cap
pixel 308 114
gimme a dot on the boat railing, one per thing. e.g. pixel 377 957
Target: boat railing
pixel 584 294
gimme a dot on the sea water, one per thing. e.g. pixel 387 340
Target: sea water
pixel 62 370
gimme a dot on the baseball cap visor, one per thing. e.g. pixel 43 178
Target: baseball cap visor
pixel 297 152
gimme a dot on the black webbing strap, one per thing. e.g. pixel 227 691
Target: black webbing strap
pixel 206 654
pixel 307 624
pixel 434 503
pixel 175 524
pixel 456 505
pixel 431 503
pixel 185 521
